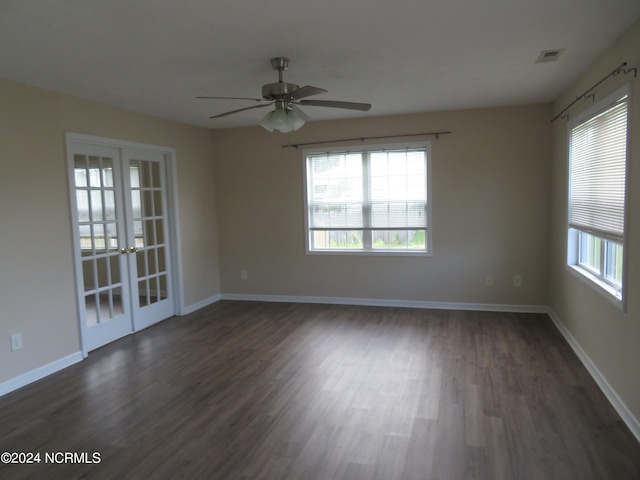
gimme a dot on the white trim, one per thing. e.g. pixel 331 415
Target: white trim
pixel 34 375
pixel 374 302
pixel 198 305
pixel 374 253
pixel 596 284
pixel 113 142
pixel 174 231
pixel 627 416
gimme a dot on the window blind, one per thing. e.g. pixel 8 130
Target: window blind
pixel 368 191
pixel 598 155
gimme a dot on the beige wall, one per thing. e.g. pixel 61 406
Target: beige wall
pixel 37 290
pixel 609 336
pixel 490 212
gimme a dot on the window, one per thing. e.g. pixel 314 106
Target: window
pixel 372 200
pixel 95 198
pixel 597 194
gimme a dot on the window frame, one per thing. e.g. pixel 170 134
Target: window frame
pixel 598 279
pixel 370 251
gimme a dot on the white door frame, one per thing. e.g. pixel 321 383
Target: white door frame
pixel 173 213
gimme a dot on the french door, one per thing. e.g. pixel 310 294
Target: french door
pixel 122 242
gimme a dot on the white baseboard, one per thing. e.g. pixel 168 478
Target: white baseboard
pixel 627 417
pixel 39 373
pixel 374 302
pixel 198 305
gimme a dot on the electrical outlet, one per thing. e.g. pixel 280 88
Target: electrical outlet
pixel 488 281
pixel 16 342
pixel 517 280
pixel 243 274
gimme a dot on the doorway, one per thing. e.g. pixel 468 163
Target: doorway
pixel 120 207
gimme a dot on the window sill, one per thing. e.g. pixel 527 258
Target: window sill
pixel 372 253
pixel 606 290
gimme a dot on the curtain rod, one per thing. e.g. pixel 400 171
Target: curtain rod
pixel 362 139
pixel 614 72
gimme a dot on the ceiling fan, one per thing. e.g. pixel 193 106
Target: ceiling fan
pixel 287 117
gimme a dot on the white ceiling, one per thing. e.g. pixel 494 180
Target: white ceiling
pixel 155 56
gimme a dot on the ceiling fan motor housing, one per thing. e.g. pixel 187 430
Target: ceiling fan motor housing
pixel 281 90
pixel 278 91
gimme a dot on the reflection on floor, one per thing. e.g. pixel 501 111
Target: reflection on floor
pixel 101 308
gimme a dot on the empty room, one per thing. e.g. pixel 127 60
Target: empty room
pixel 320 240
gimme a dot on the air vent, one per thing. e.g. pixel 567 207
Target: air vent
pixel 549 55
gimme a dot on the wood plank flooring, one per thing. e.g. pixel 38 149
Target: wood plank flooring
pixel 244 390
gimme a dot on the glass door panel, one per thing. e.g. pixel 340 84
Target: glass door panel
pixel 147 206
pixel 101 264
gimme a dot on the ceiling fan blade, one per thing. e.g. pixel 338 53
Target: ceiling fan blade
pixel 236 98
pixel 240 110
pixel 306 91
pixel 334 104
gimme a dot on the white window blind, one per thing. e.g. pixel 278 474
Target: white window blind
pixel 598 165
pixel 381 190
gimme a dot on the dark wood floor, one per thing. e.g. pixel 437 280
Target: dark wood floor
pixel 244 390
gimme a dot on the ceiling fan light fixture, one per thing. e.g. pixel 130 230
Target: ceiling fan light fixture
pixel 296 118
pixel 267 122
pixel 284 121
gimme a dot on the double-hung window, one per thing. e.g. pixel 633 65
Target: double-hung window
pixel 598 194
pixel 369 200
